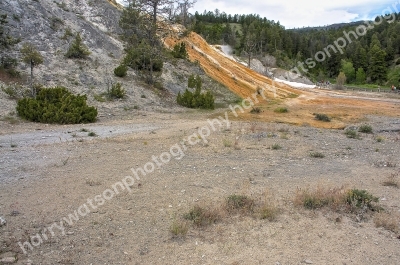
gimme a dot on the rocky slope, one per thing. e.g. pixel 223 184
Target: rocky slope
pixel 44 23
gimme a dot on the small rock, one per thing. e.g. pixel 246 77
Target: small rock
pixel 2 221
pixel 307 261
pixel 7 260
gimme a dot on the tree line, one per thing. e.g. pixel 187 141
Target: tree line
pixel 367 59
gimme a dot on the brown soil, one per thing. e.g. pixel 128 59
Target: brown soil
pixel 42 182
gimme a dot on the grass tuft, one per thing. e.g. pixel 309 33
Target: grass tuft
pixel 391 181
pixel 387 221
pixel 365 128
pixel 268 212
pixel 337 199
pixel 322 117
pixel 179 228
pixel 201 216
pixel 242 203
pixel 281 110
pixel 317 155
pixel 276 147
pixel 352 134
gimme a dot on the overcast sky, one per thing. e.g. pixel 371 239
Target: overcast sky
pixel 299 13
pixel 302 13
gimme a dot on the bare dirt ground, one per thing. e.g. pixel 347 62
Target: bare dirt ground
pixel 48 172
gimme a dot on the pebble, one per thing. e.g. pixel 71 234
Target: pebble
pixel 2 221
pixel 307 261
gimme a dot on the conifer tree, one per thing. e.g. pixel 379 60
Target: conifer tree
pixel 77 49
pixel 31 56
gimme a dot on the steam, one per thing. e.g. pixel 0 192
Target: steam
pixel 226 49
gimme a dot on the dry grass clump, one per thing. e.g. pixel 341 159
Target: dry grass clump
pixel 337 199
pixel 179 228
pixel 203 216
pixel 387 221
pixel 392 181
pixel 333 198
pixel 239 204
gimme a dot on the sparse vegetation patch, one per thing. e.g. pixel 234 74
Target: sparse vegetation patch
pixel 322 117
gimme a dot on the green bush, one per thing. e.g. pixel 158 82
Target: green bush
pixel 196 99
pixel 179 51
pixel 352 134
pixel 121 70
pixel 143 57
pixel 56 105
pixel 117 91
pixel 322 117
pixel 361 199
pixel 365 128
pixel 194 81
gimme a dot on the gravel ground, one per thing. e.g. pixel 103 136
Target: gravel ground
pixel 44 180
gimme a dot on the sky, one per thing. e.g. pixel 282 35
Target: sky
pixel 303 13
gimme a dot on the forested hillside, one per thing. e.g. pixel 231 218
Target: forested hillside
pixel 320 53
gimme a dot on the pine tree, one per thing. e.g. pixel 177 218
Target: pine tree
pixel 360 76
pixel 31 56
pixel 377 64
pixel 179 51
pixel 359 58
pixel 77 49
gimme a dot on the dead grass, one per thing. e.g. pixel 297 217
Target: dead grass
pixel 179 228
pixel 10 120
pixel 392 181
pixel 203 216
pixel 337 199
pixel 267 210
pixel 267 207
pixel 332 198
pixel 239 204
pixel 388 221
